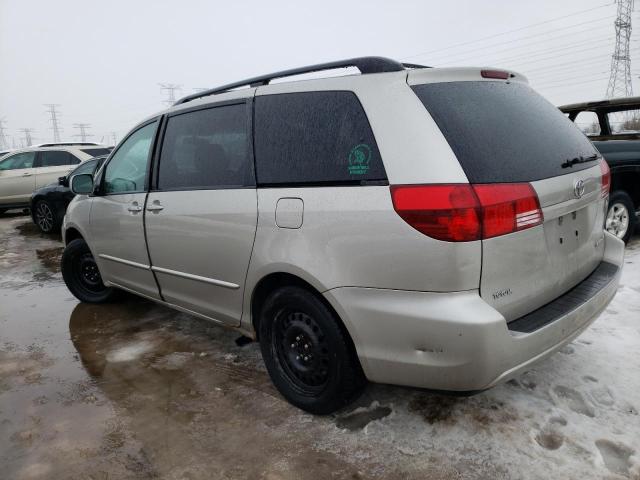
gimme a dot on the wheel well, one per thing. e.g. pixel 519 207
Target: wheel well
pixel 274 281
pixel 630 183
pixel 70 235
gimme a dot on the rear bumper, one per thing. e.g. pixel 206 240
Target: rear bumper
pixel 456 341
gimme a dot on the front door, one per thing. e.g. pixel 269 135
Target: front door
pixel 17 179
pixel 201 216
pixel 117 216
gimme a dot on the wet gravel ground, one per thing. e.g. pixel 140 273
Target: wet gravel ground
pixel 134 390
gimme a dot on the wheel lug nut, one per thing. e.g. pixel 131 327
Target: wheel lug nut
pixel 293 345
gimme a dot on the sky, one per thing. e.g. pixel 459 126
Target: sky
pixel 102 62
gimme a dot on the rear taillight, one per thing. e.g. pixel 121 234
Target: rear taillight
pixel 499 74
pixel 465 212
pixel 606 177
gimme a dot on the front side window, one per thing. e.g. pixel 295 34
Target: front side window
pixel 314 138
pixel 127 170
pixel 624 123
pixel 56 158
pixel 206 149
pixel 17 161
pixel 86 167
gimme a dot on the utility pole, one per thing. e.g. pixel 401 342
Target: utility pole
pixel 620 78
pixel 4 143
pixel 83 127
pixel 27 136
pixel 54 120
pixel 170 89
pixel 113 138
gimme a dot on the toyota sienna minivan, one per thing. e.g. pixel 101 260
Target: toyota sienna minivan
pixel 439 228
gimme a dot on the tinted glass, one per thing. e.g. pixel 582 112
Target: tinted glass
pixel 96 152
pixel 56 158
pixel 127 169
pixel 19 160
pixel 504 132
pixel 314 138
pixel 206 149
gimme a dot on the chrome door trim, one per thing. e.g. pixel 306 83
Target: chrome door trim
pixel 197 278
pixel 123 261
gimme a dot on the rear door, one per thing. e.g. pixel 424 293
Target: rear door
pixel 17 180
pixel 504 132
pixel 117 218
pixel 53 164
pixel 201 216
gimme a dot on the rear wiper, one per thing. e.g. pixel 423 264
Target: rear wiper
pixel 571 162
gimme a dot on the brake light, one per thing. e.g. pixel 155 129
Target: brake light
pixel 465 212
pixel 499 74
pixel 606 178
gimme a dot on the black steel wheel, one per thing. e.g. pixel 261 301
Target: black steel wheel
pixel 80 273
pixel 308 352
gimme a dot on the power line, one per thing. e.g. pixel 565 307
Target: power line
pixel 544 51
pixel 543 34
pixel 508 31
pixel 83 127
pixel 54 120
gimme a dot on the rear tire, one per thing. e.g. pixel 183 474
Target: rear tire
pixel 307 352
pixel 621 216
pixel 45 217
pixel 80 273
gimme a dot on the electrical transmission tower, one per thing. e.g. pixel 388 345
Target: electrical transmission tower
pixel 27 136
pixel 170 89
pixel 4 143
pixel 620 79
pixel 83 127
pixel 54 120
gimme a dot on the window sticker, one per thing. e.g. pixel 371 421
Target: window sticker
pixel 359 158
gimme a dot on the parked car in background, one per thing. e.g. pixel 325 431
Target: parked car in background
pixel 614 128
pixel 24 171
pixel 404 225
pixel 49 203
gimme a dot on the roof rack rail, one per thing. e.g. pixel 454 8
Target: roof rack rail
pixel 414 65
pixel 364 64
pixel 66 144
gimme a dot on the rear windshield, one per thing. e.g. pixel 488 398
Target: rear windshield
pixel 96 152
pixel 504 132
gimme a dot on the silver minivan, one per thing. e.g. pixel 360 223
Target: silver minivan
pixel 438 228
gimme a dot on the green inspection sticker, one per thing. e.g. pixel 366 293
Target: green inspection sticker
pixel 359 158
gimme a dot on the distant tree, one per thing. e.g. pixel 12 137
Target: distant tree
pixel 632 124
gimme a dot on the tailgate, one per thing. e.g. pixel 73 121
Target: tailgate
pixel 525 270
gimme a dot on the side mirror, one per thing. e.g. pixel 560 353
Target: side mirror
pixel 82 184
pixel 63 181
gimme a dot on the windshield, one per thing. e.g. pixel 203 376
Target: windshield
pixel 505 132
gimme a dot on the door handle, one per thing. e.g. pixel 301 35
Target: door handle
pixel 155 206
pixel 27 174
pixel 134 207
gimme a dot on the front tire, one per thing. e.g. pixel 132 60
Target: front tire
pixel 307 352
pixel 621 216
pixel 80 273
pixel 45 217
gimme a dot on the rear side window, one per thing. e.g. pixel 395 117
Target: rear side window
pixel 314 138
pixel 207 149
pixel 56 159
pixel 504 132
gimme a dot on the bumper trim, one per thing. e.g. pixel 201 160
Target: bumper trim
pixel 561 306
